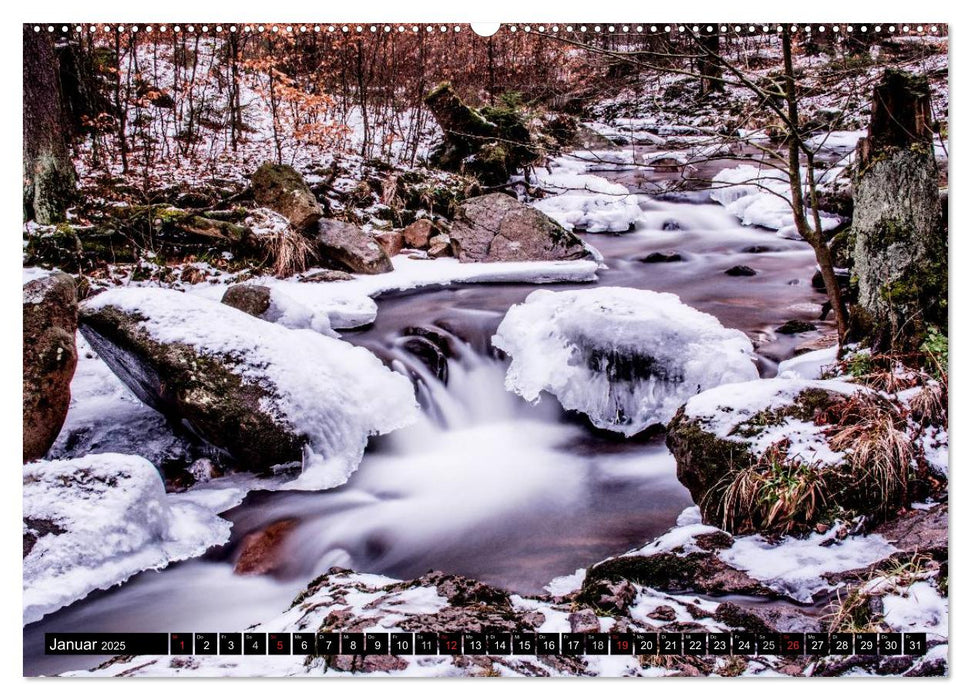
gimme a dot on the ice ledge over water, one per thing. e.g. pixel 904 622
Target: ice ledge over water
pixel 626 358
pixel 95 521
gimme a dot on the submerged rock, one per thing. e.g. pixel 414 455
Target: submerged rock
pixel 740 271
pixel 261 551
pixel 499 228
pixel 659 257
pixel 350 248
pixel 50 356
pixel 795 326
pixel 282 189
pixel 626 358
pixel 245 385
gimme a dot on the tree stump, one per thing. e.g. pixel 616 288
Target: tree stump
pixel 900 254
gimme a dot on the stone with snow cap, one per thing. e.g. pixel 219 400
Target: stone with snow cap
pixel 244 385
pixel 626 358
pixel 94 521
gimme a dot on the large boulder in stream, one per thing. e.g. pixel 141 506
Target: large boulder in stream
pixel 282 189
pixel 50 356
pixel 348 247
pixel 262 393
pixel 499 228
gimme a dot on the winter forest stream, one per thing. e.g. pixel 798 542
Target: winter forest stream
pixel 485 485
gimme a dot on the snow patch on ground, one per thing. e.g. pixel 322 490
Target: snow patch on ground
pixel 795 566
pixel 97 521
pixel 680 538
pixel 809 365
pixel 626 358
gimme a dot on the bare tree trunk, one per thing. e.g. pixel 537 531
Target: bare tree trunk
pixel 121 107
pixel 813 234
pixel 49 177
pixel 234 107
pixel 708 65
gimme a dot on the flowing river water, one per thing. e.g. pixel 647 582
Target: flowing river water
pixel 485 485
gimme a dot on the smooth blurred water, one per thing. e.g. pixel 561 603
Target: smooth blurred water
pixel 486 485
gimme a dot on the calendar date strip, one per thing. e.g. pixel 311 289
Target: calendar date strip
pixel 485 643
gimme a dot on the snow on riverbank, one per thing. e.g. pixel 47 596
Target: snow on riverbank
pixel 626 358
pixel 350 303
pixel 97 520
pixel 761 197
pixel 795 566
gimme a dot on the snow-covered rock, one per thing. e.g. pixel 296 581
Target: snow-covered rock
pixel 809 365
pixel 626 358
pixel 349 303
pixel 730 427
pixel 760 197
pixel 94 521
pixel 264 393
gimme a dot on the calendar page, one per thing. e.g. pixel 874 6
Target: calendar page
pixel 450 350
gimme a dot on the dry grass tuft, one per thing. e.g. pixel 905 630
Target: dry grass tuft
pixel 776 495
pixel 871 431
pixel 929 405
pixel 288 252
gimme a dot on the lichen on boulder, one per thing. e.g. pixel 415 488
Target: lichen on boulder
pixel 50 356
pixel 282 189
pixel 499 228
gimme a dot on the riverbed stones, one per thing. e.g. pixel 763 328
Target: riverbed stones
pixel 260 552
pixel 419 233
pixel 390 241
pixel 282 189
pixel 499 228
pixel 795 327
pixel 50 357
pixel 740 271
pixel 348 247
pixel 253 299
pixel 658 256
